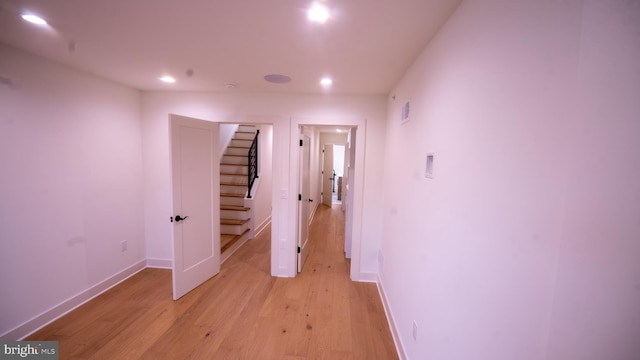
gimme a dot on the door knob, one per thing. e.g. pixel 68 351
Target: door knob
pixel 180 218
pixel 310 200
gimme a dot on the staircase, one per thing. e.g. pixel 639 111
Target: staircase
pixel 235 217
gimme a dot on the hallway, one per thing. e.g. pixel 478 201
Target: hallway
pixel 243 313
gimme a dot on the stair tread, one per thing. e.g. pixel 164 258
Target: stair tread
pixel 232 184
pixel 235 155
pixel 234 164
pixel 233 207
pixel 233 222
pixel 232 195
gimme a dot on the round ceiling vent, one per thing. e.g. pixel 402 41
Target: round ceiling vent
pixel 277 78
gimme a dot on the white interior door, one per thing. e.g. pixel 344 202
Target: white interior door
pixel 196 202
pixel 304 203
pixel 327 174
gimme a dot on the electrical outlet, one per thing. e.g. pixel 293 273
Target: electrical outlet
pixel 123 245
pixel 415 331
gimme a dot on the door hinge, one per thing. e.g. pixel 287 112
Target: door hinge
pixel 300 142
pixel 298 249
pixel 299 197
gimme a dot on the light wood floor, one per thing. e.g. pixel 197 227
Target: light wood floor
pixel 242 313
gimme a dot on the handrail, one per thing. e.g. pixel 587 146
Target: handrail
pixel 253 164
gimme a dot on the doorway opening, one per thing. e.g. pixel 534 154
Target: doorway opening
pixel 330 164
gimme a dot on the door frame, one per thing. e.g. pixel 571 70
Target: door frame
pixel 304 199
pixel 360 126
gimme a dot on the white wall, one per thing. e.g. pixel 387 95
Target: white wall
pixel 277 109
pixel 70 186
pixel 526 243
pixel 263 202
pixel 226 134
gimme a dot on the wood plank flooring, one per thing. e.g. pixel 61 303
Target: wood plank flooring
pixel 242 313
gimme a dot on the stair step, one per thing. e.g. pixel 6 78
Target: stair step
pixel 232 200
pixel 234 150
pixel 233 189
pixel 248 135
pixel 232 184
pixel 233 222
pixel 233 226
pixel 245 143
pixel 233 169
pixel 234 159
pixel 247 127
pixel 227 240
pixel 234 208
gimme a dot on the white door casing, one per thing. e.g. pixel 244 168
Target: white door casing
pixel 304 201
pixel 196 198
pixel 327 174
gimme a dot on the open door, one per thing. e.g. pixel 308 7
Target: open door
pixel 196 202
pixel 327 174
pixel 304 202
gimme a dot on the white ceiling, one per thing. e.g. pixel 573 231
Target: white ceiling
pixel 365 46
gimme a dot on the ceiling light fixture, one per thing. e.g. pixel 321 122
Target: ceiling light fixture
pixel 168 79
pixel 34 19
pixel 326 81
pixel 318 13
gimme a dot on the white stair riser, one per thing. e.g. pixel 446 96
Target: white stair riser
pixel 234 214
pixel 251 128
pixel 241 143
pixel 237 151
pixel 233 201
pixel 234 169
pixel 245 135
pixel 229 189
pixel 240 160
pixel 234 229
pixel 234 179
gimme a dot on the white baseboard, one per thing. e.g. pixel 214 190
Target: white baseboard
pixel 33 325
pixel 392 323
pixel 160 263
pixel 367 277
pixel 260 228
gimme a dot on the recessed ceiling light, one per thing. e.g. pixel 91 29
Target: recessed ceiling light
pixel 168 79
pixel 34 19
pixel 277 78
pixel 318 13
pixel 326 81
